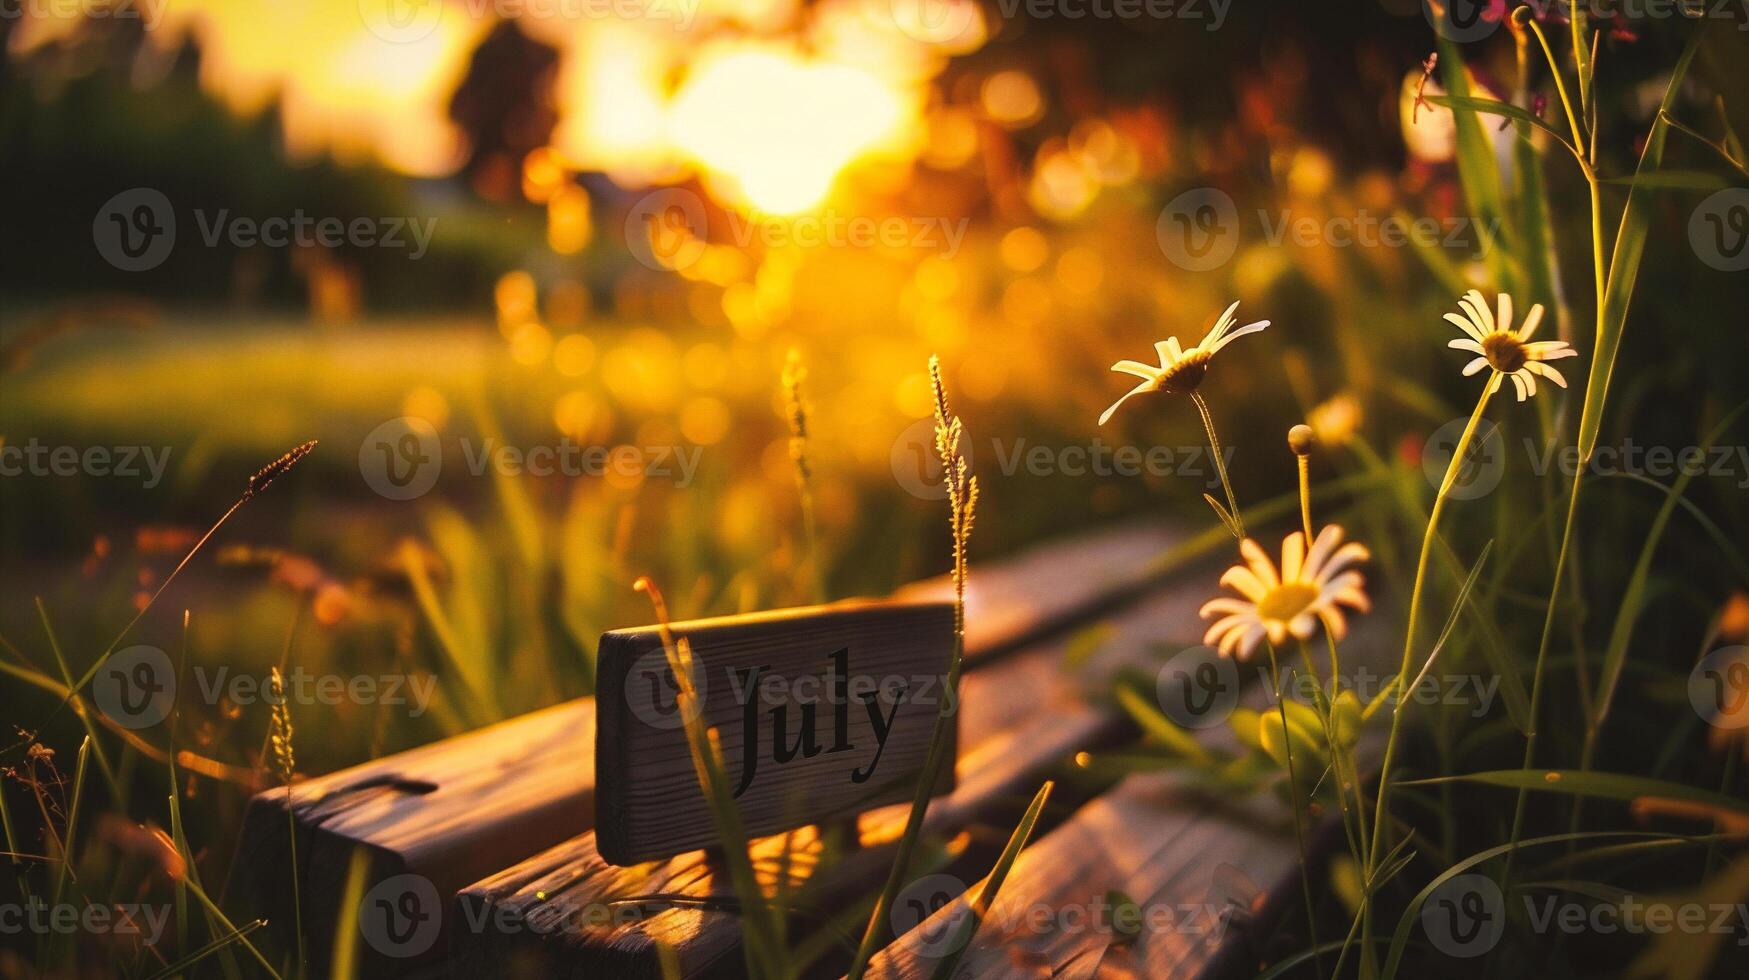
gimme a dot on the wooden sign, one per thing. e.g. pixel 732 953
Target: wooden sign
pixel 822 713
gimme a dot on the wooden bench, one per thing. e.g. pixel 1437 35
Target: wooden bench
pixel 498 821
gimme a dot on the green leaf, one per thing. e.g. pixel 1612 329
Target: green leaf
pixel 1605 785
pixel 1478 171
pixel 986 896
pixel 1681 180
pixel 1624 263
pixel 1412 914
pixel 1494 107
pixel 1159 726
pixel 1633 600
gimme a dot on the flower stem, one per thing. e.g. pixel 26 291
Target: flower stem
pixel 1208 424
pixel 1293 792
pixel 1458 458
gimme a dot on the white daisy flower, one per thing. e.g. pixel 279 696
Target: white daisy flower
pixel 1511 353
pixel 1310 588
pixel 1181 370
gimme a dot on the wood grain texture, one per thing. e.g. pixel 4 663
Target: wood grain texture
pixel 854 741
pixel 451 811
pixel 1192 866
pixel 466 807
pixel 1210 877
pixel 566 912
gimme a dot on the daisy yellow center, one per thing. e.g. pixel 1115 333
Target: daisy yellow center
pixel 1504 351
pixel 1286 601
pixel 1186 374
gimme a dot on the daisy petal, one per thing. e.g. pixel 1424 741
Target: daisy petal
pixel 1293 554
pixel 1277 631
pixel 1133 392
pixel 1244 581
pixel 1532 320
pixel 1518 383
pixel 1222 322
pixel 1462 343
pixel 1322 546
pixel 1303 626
pixel 1469 369
pixel 1236 334
pixel 1546 371
pixel 1503 320
pixel 1224 604
pixel 1549 350
pixel 1478 307
pixel 1464 324
pixel 1259 562
pixel 1147 372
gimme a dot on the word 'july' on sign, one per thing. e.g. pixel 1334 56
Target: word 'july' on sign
pixel 821 712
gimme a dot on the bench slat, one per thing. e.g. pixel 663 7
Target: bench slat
pixel 462 808
pixel 552 915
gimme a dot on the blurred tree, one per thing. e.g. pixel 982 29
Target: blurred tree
pixel 504 106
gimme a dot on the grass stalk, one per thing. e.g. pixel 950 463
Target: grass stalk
pixel 762 947
pixel 1293 792
pixel 1236 523
pixel 1459 457
pixel 962 496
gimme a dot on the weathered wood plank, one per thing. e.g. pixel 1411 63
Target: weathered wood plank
pixel 1190 865
pixel 556 913
pixel 822 712
pixel 1209 878
pixel 454 811
pixel 449 812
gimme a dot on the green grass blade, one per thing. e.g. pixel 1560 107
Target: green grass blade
pixel 1159 726
pixel 1624 262
pixel 1633 600
pixel 1494 107
pixel 980 906
pixel 1606 785
pixel 1477 170
pixel 183 965
pixel 1411 914
pixel 78 702
pixel 1457 608
pixel 344 957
